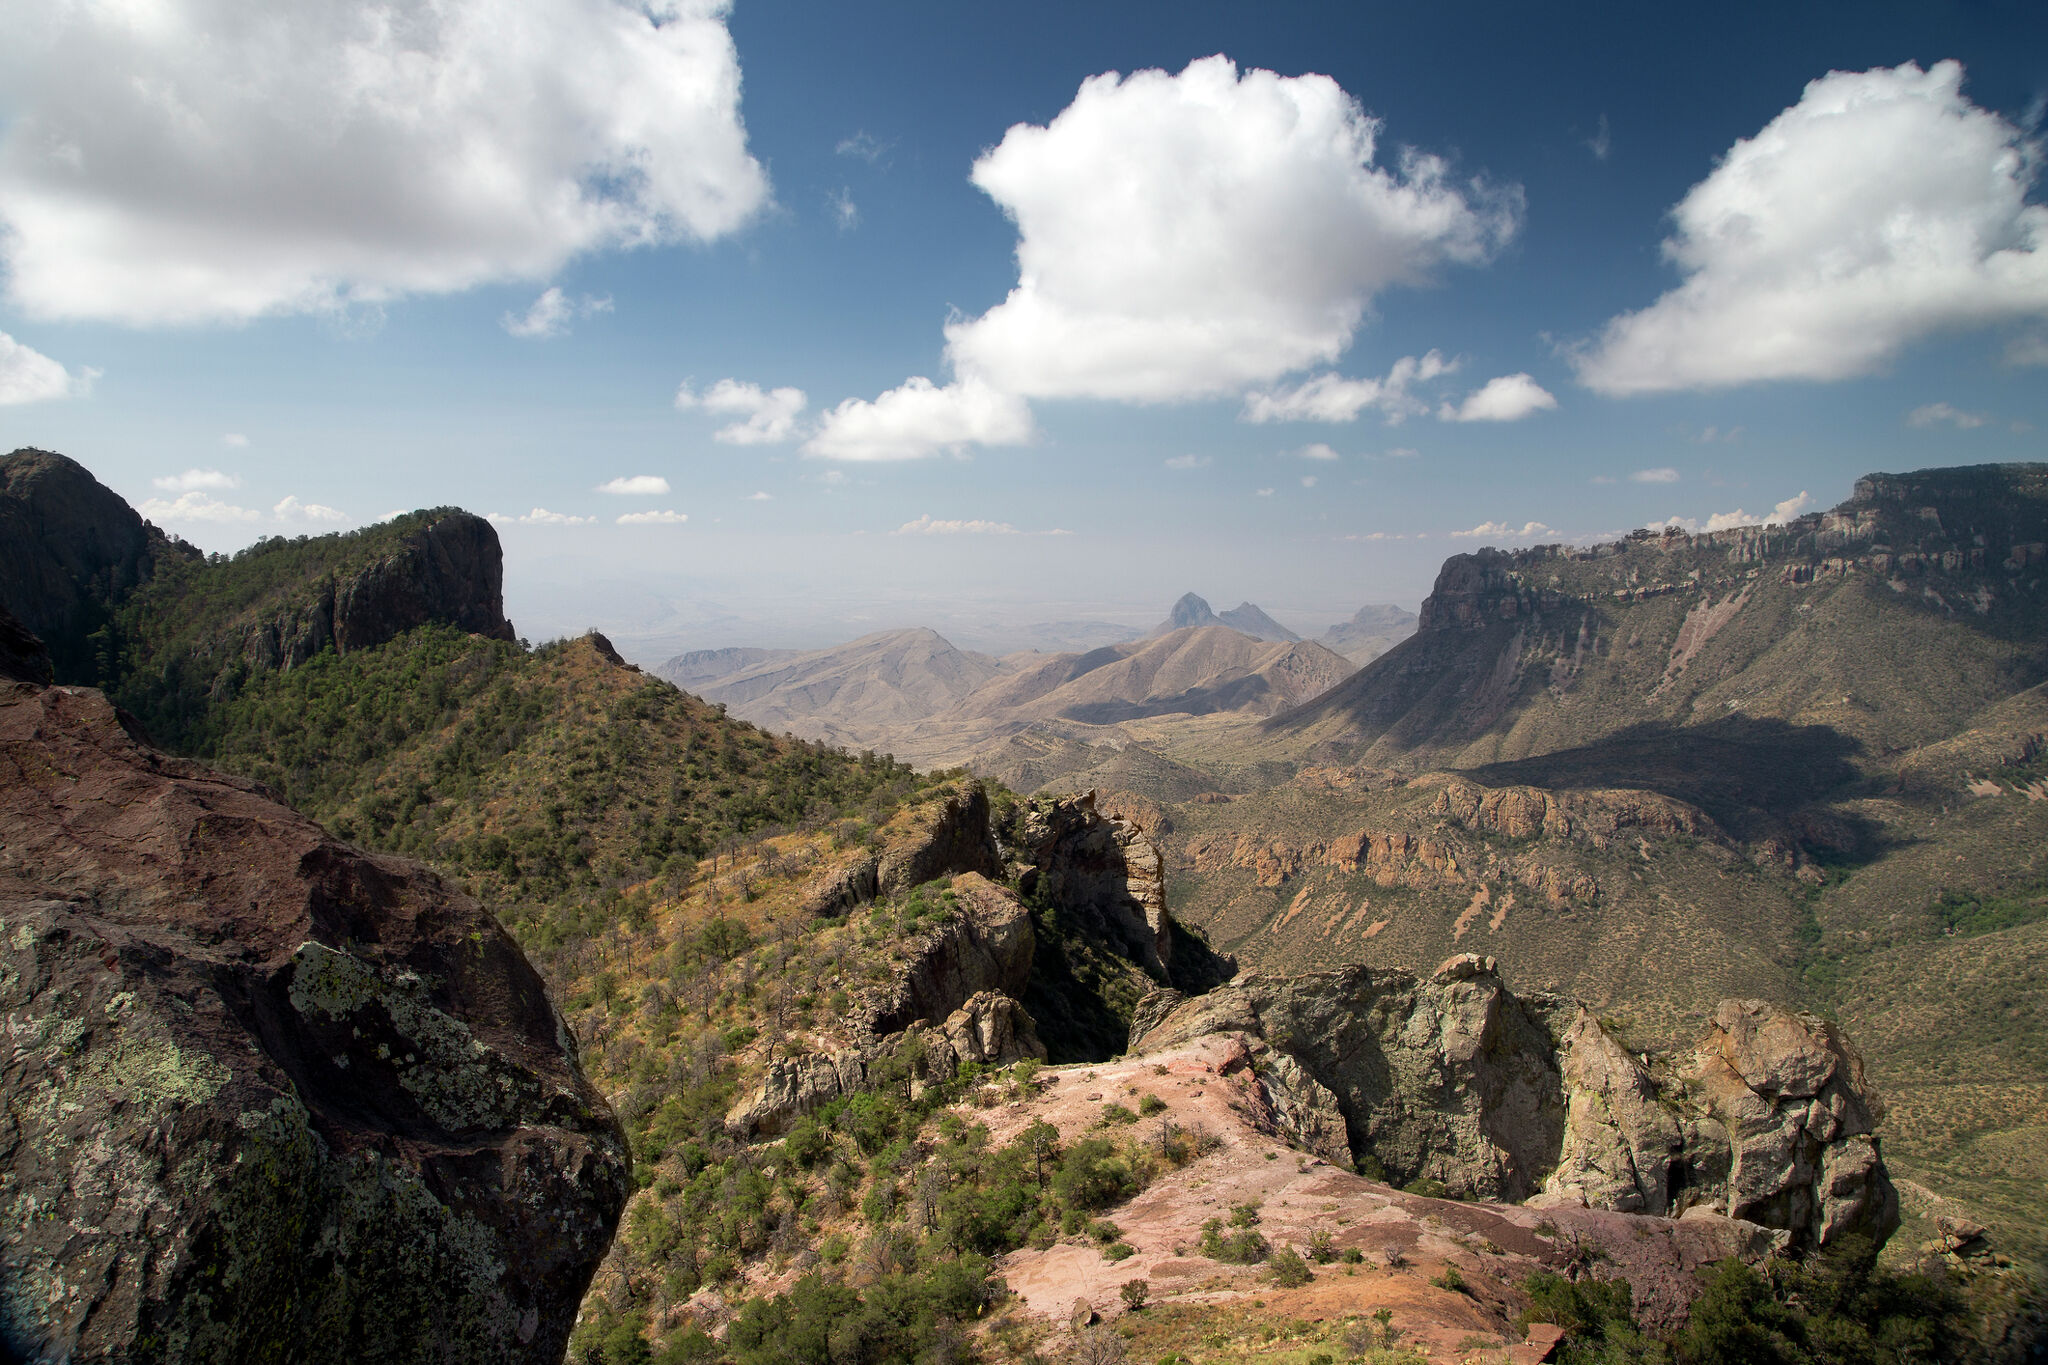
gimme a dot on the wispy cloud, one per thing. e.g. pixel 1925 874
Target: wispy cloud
pixel 635 486
pixel 1185 462
pixel 540 516
pixel 928 525
pixel 235 440
pixel 1944 414
pixel 760 497
pixel 551 313
pixel 194 479
pixel 667 518
pixel 1502 530
pixel 1602 141
pixel 1664 475
pixel 864 146
pixel 845 213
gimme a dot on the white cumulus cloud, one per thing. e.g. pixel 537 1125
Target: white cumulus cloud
pixel 1191 234
pixel 1331 397
pixel 1882 207
pixel 1939 414
pixel 1503 530
pixel 1790 509
pixel 191 479
pixel 290 509
pixel 766 416
pixel 550 314
pixel 196 507
pixel 1316 450
pixel 920 418
pixel 1509 398
pixel 207 160
pixel 635 486
pixel 29 376
pixel 666 518
pixel 927 525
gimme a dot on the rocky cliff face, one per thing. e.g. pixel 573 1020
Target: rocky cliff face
pixel 449 569
pixel 1102 867
pixel 271 1098
pixel 22 656
pixel 1453 1077
pixel 70 549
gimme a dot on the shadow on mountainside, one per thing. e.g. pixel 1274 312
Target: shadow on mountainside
pixel 1750 774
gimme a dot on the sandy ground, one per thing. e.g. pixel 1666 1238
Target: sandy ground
pixel 1407 1241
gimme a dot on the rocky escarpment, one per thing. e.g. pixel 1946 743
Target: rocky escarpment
pixel 1454 1078
pixel 70 550
pixel 270 1098
pixel 448 568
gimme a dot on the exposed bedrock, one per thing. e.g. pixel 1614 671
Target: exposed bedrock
pixel 271 1098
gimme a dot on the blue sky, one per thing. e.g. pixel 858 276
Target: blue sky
pixel 289 272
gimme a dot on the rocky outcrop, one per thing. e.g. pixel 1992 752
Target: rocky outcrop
pixel 846 885
pixel 70 550
pixel 990 1029
pixel 944 835
pixel 986 946
pixel 270 1097
pixel 22 656
pixel 448 568
pixel 1766 1121
pixel 1800 1122
pixel 1100 867
pixel 1449 1077
pixel 1305 1113
pixel 958 992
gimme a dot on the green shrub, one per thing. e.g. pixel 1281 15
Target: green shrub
pixel 1287 1269
pixel 1092 1175
pixel 1244 1246
pixel 1118 1251
pixel 1134 1293
pixel 1428 1187
pixel 1150 1104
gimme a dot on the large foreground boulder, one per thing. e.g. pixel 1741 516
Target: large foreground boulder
pixel 270 1098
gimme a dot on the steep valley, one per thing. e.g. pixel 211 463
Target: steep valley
pixel 912 1067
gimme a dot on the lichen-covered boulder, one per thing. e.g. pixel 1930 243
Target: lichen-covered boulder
pixel 270 1098
pixel 1449 1077
pixel 1768 1119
